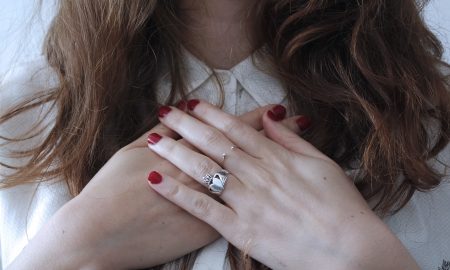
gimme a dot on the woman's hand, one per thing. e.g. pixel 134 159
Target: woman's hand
pixel 118 221
pixel 286 203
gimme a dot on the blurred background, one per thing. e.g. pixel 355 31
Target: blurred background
pixel 22 28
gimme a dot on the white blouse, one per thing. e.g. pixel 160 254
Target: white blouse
pixel 423 225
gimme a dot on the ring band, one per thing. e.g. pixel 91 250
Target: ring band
pixel 224 155
pixel 216 183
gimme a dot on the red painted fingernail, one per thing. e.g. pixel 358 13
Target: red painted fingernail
pixel 153 138
pixel 181 105
pixel 192 103
pixel 163 111
pixel 277 113
pixel 303 122
pixel 154 177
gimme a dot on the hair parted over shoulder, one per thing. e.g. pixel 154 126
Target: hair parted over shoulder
pixel 369 73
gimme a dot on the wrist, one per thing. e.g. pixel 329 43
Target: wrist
pixel 371 245
pixel 58 245
pixel 78 231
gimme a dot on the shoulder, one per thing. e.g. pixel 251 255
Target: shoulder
pixel 444 68
pixel 20 84
pixel 24 80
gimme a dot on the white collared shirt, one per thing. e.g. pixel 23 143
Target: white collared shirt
pixel 245 87
pixel 423 225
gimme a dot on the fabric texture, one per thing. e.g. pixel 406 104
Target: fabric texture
pixel 423 225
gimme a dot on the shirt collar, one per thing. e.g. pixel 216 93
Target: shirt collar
pixel 253 73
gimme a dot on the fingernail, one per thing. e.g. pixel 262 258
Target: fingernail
pixel 163 111
pixel 192 103
pixel 181 105
pixel 154 177
pixel 303 122
pixel 153 138
pixel 277 113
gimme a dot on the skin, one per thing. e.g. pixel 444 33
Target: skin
pixel 208 23
pixel 125 224
pixel 308 212
pixel 118 221
pixel 219 32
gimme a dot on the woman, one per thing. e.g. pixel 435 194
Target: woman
pixel 363 80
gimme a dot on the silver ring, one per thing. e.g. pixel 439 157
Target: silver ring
pixel 216 183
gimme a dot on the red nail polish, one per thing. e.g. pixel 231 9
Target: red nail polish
pixel 192 103
pixel 277 113
pixel 153 138
pixel 303 122
pixel 163 111
pixel 181 105
pixel 154 177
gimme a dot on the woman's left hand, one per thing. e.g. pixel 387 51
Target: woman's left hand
pixel 286 204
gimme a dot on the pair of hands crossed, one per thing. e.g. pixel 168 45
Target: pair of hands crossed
pixel 285 203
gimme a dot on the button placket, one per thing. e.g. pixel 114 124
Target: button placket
pixel 224 77
pixel 229 86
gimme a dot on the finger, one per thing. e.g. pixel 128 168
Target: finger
pixel 159 129
pixel 254 118
pixel 251 118
pixel 195 165
pixel 200 205
pixel 241 134
pixel 207 139
pixel 288 139
pixel 293 124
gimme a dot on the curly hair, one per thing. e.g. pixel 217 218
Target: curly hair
pixel 369 74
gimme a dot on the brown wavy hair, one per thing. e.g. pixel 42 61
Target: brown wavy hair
pixel 369 73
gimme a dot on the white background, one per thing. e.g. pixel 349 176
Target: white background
pixel 22 28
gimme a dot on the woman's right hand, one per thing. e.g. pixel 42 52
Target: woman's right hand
pixel 118 221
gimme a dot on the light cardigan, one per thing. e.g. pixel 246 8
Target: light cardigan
pixel 423 225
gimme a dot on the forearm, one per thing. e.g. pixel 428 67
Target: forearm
pixel 58 246
pixel 377 248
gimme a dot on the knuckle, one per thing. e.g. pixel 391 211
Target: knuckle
pixel 211 136
pixel 231 124
pixel 170 147
pixel 203 167
pixel 244 238
pixel 202 207
pixel 173 191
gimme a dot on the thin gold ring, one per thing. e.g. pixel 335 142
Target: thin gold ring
pixel 224 155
